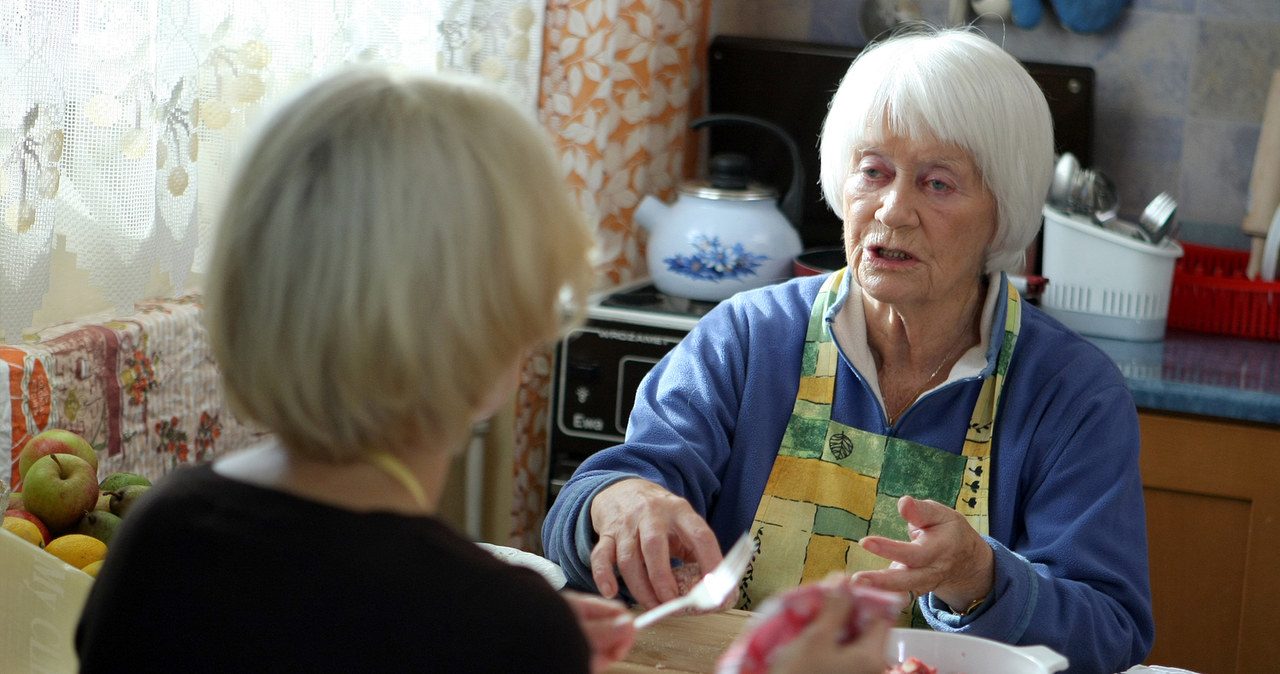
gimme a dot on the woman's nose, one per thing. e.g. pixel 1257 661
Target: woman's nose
pixel 897 207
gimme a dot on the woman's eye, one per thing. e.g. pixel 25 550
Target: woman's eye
pixel 938 185
pixel 870 172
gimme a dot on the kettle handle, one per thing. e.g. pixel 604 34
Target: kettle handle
pixel 791 201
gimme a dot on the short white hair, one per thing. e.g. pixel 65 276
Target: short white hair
pixel 391 245
pixel 957 87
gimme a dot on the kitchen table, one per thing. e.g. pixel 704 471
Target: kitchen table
pixel 693 643
pixel 689 643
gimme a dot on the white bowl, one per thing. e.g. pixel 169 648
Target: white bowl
pixel 963 654
pixel 549 569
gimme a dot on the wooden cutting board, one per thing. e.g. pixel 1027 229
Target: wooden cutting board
pixel 683 644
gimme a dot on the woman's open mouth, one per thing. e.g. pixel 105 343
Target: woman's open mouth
pixel 891 254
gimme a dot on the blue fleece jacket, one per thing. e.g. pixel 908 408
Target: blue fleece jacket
pixel 1067 520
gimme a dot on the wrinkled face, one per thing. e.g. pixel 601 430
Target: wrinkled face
pixel 918 218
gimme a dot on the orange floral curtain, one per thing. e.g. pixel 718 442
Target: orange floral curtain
pixel 621 80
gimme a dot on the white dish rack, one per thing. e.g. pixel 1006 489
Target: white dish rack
pixel 1105 284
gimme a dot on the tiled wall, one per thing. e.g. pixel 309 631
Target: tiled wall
pixel 1181 86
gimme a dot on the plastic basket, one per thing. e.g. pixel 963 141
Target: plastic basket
pixel 1105 284
pixel 1212 294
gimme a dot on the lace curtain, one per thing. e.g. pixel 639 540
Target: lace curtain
pixel 120 117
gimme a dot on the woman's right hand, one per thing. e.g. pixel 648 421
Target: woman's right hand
pixel 642 527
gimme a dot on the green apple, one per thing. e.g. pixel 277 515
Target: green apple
pixel 60 489
pixel 101 525
pixel 124 498
pixel 44 531
pixel 115 481
pixel 55 441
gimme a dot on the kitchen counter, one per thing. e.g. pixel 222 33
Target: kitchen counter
pixel 1210 375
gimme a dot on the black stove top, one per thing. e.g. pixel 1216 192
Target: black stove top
pixel 648 298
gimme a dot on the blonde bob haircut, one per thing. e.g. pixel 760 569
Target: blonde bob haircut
pixel 391 245
pixel 956 87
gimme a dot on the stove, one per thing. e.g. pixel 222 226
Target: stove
pixel 598 366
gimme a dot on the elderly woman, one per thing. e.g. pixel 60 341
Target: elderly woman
pixel 909 419
pixel 393 246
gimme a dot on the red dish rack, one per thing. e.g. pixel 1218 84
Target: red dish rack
pixel 1211 294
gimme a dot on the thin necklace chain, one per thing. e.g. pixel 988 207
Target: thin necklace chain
pixel 924 388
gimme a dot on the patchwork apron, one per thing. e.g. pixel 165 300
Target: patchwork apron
pixel 832 484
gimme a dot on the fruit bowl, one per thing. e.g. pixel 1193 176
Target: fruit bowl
pixel 960 653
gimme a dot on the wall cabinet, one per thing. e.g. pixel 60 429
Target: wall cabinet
pixel 1212 493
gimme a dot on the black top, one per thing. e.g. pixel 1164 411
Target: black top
pixel 209 574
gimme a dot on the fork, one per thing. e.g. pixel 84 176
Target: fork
pixel 712 590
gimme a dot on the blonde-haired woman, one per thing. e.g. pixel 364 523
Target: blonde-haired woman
pixel 392 246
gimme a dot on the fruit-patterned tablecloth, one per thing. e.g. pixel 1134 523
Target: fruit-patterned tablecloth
pixel 142 389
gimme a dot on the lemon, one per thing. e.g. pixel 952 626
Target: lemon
pixel 92 568
pixel 78 550
pixel 25 529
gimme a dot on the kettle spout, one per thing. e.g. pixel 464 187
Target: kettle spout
pixel 651 212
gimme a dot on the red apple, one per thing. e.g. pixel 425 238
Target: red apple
pixel 44 531
pixel 60 489
pixel 54 441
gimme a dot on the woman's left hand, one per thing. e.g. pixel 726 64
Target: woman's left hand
pixel 609 635
pixel 945 556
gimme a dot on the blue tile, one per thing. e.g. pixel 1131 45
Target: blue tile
pixel 1216 165
pixel 1253 10
pixel 835 22
pixel 1233 65
pixel 1141 153
pixel 1182 6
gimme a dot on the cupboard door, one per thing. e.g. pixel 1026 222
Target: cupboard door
pixel 1212 493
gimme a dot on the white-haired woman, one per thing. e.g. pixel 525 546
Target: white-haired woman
pixel 392 246
pixel 909 419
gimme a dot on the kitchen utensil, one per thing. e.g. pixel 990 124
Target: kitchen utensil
pixel 712 590
pixel 724 234
pixel 878 17
pixel 1064 175
pixel 1105 199
pixel 1157 218
pixel 1271 249
pixel 1264 183
pixel 951 653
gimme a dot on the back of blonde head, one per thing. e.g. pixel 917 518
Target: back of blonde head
pixel 392 243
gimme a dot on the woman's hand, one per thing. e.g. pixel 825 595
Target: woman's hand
pixel 945 556
pixel 642 527
pixel 609 635
pixel 821 647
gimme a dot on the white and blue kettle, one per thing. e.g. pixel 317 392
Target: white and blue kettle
pixel 724 234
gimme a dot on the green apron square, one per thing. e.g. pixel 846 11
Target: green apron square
pixel 921 471
pixel 886 521
pixel 858 450
pixel 839 523
pixel 804 438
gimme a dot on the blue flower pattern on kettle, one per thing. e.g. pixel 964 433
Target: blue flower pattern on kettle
pixel 713 261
